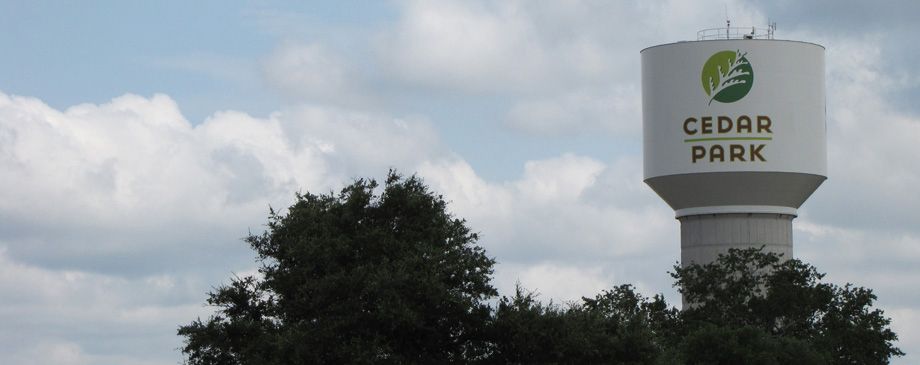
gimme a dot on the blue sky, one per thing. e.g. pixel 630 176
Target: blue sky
pixel 139 141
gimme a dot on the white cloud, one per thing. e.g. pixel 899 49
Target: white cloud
pixel 870 143
pixel 44 352
pixel 570 208
pixel 564 178
pixel 511 47
pixel 903 323
pixel 527 47
pixel 551 281
pixel 566 68
pixel 90 158
pixel 315 73
pixel 883 261
pixel 119 217
pixel 133 183
pixel 134 166
pixel 568 227
pixel 469 45
pixel 615 112
pixel 47 353
pixel 58 315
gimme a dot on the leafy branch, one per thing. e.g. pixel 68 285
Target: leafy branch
pixel 731 77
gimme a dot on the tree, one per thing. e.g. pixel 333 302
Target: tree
pixel 751 306
pixel 711 344
pixel 387 275
pixel 747 307
pixel 354 278
pixel 617 326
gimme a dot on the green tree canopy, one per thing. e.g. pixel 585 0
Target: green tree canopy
pixel 769 311
pixel 617 326
pixel 354 278
pixel 386 275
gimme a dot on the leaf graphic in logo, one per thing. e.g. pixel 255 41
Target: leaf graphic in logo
pixel 727 76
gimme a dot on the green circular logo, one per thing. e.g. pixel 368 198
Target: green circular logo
pixel 727 76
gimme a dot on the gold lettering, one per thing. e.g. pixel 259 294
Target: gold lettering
pixel 687 124
pixel 736 152
pixel 697 152
pixel 707 125
pixel 763 124
pixel 725 124
pixel 755 153
pixel 744 124
pixel 715 152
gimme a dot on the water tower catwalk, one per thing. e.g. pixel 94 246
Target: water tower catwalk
pixel 734 137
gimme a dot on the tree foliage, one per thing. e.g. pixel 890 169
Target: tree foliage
pixel 386 275
pixel 354 278
pixel 779 307
pixel 618 325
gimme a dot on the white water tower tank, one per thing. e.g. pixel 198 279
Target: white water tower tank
pixel 734 138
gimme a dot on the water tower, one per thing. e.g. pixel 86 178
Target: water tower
pixel 734 136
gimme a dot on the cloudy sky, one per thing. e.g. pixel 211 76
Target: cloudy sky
pixel 140 141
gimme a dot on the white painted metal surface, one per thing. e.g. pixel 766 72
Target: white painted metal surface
pixel 734 139
pixel 734 123
pixel 783 110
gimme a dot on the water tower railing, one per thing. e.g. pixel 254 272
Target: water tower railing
pixel 735 33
